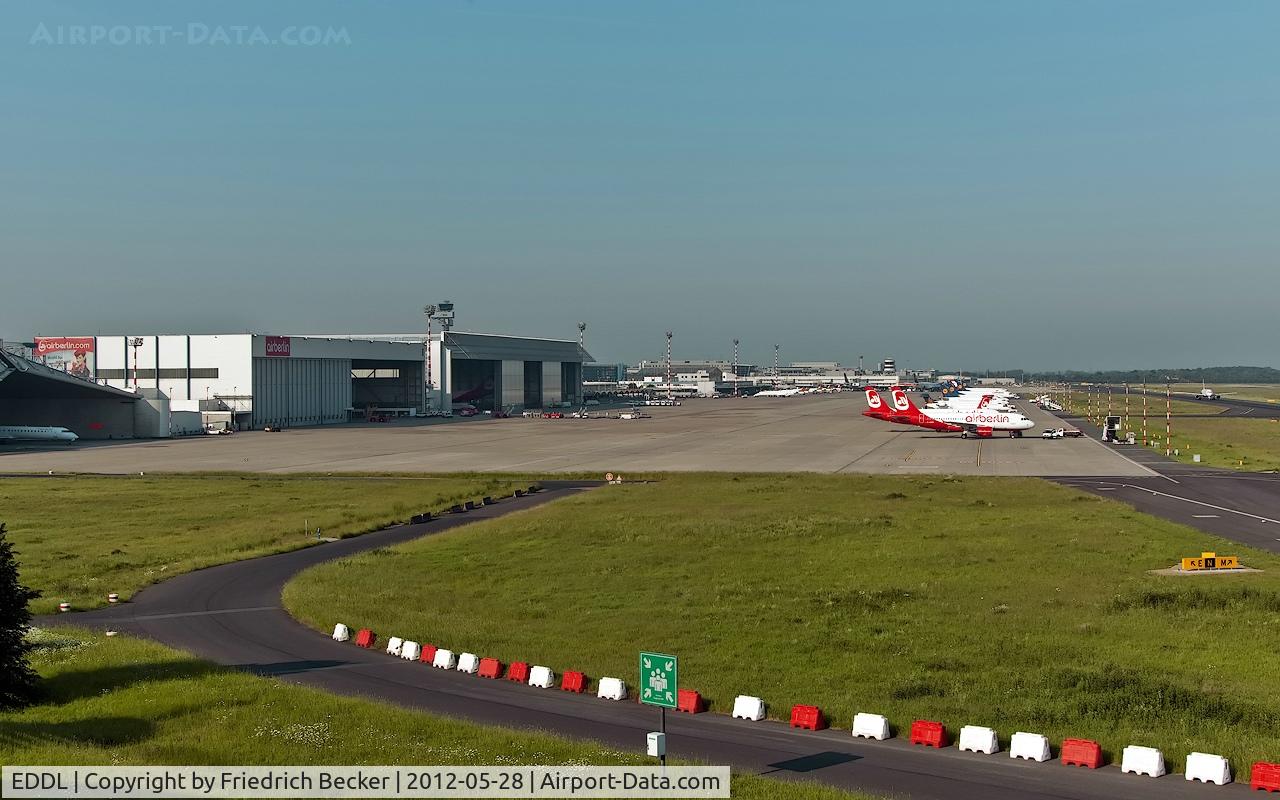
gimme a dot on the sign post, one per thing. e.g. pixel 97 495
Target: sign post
pixel 659 683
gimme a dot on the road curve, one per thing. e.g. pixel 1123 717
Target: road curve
pixel 232 615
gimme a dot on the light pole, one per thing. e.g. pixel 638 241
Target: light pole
pixel 582 354
pixel 1168 418
pixel 777 371
pixel 670 388
pixel 135 343
pixel 735 367
pixel 1144 410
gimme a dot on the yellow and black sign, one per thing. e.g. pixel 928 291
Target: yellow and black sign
pixel 1210 561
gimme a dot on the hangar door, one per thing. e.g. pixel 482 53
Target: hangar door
pixel 301 391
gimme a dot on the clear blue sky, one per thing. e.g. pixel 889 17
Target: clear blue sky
pixel 981 184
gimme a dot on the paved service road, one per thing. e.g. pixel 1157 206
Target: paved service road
pixel 232 614
pixel 1241 506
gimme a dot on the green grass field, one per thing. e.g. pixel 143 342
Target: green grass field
pixel 80 538
pixel 1012 603
pixel 122 701
pixel 1240 443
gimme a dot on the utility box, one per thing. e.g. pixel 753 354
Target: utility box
pixel 657 744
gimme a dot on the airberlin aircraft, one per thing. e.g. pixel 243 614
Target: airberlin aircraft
pixel 979 421
pixel 877 408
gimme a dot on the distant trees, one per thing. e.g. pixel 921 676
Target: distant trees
pixel 1209 375
pixel 18 682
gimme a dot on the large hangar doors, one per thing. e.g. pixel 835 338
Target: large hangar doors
pixel 475 381
pixel 533 384
pixel 301 391
pixel 571 382
pixel 377 383
pixel 512 384
pixel 551 389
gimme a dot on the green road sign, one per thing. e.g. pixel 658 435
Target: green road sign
pixel 658 680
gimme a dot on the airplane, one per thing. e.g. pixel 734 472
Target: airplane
pixel 1207 393
pixel 31 433
pixel 978 421
pixel 990 400
pixel 878 409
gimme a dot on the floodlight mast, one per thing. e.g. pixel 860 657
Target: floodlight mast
pixel 670 388
pixel 135 343
pixel 735 367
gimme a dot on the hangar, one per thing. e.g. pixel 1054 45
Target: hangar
pixel 252 380
pixel 34 394
pixel 497 372
pixel 506 372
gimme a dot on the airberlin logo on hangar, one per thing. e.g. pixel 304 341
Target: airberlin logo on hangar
pixel 279 346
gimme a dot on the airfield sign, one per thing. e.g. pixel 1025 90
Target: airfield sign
pixel 658 680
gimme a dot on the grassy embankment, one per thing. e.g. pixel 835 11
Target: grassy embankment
pixel 79 538
pixel 1005 602
pixel 1241 443
pixel 125 701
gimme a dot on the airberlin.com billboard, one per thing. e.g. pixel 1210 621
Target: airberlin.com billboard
pixel 71 354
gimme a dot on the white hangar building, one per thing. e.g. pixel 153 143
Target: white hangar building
pixel 290 381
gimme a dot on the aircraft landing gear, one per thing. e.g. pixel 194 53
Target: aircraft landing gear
pixel 1015 434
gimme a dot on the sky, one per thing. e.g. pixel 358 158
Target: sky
pixel 991 184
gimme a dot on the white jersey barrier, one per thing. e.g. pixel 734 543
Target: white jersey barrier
pixel 1031 746
pixel 871 726
pixel 611 689
pixel 747 707
pixel 468 663
pixel 542 677
pixel 410 651
pixel 1142 761
pixel 445 659
pixel 393 645
pixel 977 739
pixel 341 633
pixel 1208 768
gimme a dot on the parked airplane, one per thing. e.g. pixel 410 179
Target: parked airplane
pixel 877 408
pixel 900 415
pixel 976 399
pixel 32 433
pixel 979 421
